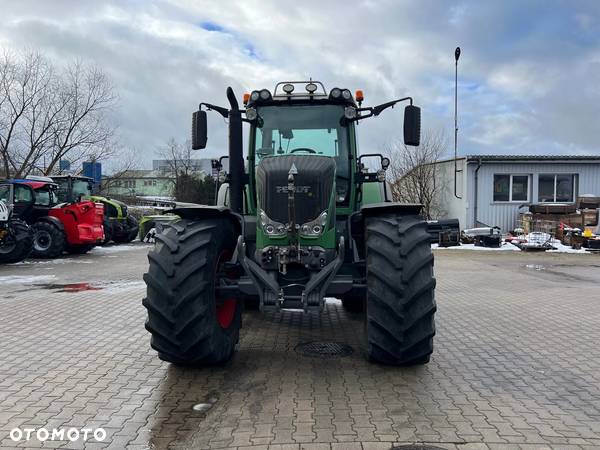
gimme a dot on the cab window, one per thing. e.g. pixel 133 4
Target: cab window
pixel 43 197
pixel 23 194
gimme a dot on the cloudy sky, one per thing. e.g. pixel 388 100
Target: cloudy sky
pixel 529 74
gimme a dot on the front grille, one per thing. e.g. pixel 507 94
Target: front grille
pixel 314 185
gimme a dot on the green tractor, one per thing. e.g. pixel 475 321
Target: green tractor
pixel 119 226
pixel 304 220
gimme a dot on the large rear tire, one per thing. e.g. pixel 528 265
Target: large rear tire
pixel 128 232
pixel 48 240
pixel 18 245
pixel 134 228
pixel 189 322
pixel 108 231
pixel 400 305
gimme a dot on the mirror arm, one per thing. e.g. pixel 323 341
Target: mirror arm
pixel 380 108
pixel 223 111
pixel 376 110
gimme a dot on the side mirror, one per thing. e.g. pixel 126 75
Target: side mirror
pixel 412 125
pixel 199 133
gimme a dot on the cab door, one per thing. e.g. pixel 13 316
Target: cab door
pixel 23 199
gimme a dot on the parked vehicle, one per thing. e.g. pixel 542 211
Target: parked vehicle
pixel 119 225
pixel 16 237
pixel 306 220
pixel 74 227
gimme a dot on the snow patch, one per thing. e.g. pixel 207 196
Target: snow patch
pixel 42 262
pixel 506 246
pixel 23 279
pixel 117 248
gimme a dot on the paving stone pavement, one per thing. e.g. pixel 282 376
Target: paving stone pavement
pixel 516 364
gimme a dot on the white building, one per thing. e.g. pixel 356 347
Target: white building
pixel 491 188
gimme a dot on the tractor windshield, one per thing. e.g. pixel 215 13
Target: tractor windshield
pixel 306 130
pixel 80 187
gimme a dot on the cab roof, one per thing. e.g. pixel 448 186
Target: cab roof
pixel 33 184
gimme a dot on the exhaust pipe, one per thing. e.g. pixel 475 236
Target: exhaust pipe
pixel 237 175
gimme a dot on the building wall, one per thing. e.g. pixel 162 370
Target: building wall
pixel 505 214
pixel 156 187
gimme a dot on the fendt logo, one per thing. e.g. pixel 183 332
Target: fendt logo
pixel 299 189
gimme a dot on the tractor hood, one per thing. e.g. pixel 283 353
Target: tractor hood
pixel 314 178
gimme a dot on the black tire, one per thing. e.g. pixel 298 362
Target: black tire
pixel 128 232
pixel 48 240
pixel 180 296
pixel 134 228
pixel 19 244
pixel 108 231
pixel 400 303
pixel 353 304
pixel 79 249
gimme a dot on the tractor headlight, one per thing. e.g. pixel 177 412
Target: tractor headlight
pixel 251 114
pixel 350 112
pixel 265 94
pixel 335 93
pixel 315 227
pixel 271 227
pixel 254 96
pixel 346 94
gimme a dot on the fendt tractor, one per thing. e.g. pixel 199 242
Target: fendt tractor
pixel 16 237
pixel 305 219
pixel 58 226
pixel 119 226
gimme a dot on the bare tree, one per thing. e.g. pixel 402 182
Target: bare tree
pixel 414 176
pixel 188 184
pixel 178 158
pixel 48 115
pixel 83 129
pixel 24 92
pixel 126 159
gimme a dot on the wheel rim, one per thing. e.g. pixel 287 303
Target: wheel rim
pixel 42 241
pixel 8 244
pixel 226 307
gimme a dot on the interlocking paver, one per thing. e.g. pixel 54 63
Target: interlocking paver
pixel 516 365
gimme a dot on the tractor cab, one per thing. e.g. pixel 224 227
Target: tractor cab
pixel 73 188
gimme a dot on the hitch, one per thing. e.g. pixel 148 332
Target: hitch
pixel 272 295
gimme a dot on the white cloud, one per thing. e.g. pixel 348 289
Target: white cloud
pixel 528 80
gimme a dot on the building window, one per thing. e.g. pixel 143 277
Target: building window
pixel 556 188
pixel 511 188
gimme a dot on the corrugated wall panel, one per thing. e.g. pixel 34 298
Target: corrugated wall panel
pixel 505 214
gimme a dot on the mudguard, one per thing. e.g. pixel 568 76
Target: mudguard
pixel 357 220
pixel 52 220
pixel 404 209
pixel 208 212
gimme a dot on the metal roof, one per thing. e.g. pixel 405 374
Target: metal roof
pixel 532 158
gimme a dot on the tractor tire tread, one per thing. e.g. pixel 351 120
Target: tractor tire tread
pixel 179 298
pixel 401 306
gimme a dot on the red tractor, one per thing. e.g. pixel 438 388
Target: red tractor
pixel 74 227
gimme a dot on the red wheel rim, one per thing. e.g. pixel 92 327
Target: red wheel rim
pixel 226 307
